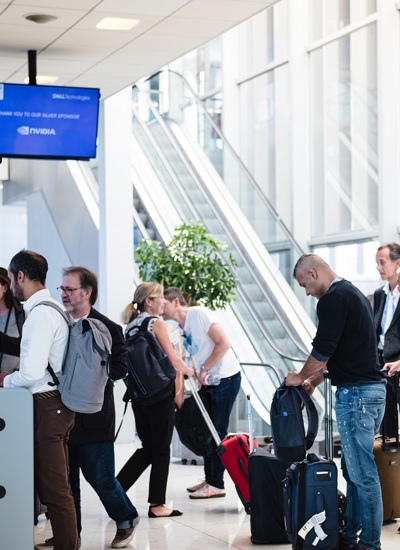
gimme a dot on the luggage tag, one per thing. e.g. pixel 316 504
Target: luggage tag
pixel 314 523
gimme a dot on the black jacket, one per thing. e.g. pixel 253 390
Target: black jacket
pixel 391 350
pixel 100 427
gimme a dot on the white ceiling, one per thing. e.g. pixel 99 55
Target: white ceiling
pixel 81 55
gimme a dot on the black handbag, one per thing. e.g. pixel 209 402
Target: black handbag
pixel 190 424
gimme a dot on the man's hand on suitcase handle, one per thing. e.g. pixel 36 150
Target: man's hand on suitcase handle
pixel 390 369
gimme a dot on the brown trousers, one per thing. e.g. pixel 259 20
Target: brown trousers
pixel 53 423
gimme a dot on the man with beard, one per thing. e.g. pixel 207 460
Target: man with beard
pixel 43 342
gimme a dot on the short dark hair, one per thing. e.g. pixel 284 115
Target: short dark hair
pixel 310 261
pixel 173 292
pixel 32 264
pixel 394 250
pixel 87 279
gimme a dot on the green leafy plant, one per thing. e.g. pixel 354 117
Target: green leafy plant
pixel 194 261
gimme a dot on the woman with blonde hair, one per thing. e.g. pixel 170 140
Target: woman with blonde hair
pixel 154 422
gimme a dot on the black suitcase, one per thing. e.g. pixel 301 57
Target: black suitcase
pixel 310 495
pixel 266 475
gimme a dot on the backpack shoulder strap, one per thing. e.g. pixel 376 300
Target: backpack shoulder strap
pixel 19 318
pixel 312 415
pixel 67 316
pixel 144 326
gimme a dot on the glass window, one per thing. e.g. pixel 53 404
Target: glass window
pixel 265 140
pixel 264 39
pixel 344 134
pixel 330 16
pixel 355 262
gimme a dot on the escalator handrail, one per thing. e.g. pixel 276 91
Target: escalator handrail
pixel 164 127
pixel 220 134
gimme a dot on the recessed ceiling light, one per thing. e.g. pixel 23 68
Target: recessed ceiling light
pixel 40 18
pixel 117 23
pixel 43 79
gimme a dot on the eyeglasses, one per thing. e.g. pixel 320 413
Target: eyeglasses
pixel 68 291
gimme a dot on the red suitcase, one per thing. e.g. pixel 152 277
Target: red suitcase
pixel 233 450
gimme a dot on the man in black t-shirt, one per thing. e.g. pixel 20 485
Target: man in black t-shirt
pixel 345 344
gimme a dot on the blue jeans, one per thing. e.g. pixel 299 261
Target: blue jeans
pixel 96 460
pixel 359 413
pixel 224 396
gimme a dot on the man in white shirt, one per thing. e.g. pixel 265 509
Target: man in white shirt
pixel 43 342
pixel 387 323
pixel 206 341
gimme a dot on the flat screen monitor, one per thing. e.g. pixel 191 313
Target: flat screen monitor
pixel 48 122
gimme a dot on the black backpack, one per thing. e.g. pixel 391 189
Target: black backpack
pixel 150 375
pixel 289 439
pixel 191 426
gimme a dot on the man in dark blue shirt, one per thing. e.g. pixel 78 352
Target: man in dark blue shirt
pixel 345 344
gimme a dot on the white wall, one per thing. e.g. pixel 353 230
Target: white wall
pixel 13 230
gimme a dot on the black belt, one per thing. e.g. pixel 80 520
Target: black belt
pixel 46 394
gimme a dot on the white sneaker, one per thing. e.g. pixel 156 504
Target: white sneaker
pixel 208 491
pixel 196 487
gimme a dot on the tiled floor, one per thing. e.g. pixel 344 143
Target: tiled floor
pixel 205 524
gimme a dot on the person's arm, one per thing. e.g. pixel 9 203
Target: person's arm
pixel 221 346
pixel 161 333
pixel 2 376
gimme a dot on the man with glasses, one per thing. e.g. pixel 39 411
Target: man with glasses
pixel 43 341
pixel 91 443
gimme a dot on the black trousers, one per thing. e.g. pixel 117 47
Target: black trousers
pixel 154 426
pixel 390 421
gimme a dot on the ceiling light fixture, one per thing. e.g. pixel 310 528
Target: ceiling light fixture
pixel 43 79
pixel 117 24
pixel 40 18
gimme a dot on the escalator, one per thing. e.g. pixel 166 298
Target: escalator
pixel 175 179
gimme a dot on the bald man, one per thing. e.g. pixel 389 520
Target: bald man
pixel 345 344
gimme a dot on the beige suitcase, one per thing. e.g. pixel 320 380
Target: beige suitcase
pixel 387 458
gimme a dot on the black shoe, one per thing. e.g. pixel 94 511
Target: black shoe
pixel 49 543
pixel 124 536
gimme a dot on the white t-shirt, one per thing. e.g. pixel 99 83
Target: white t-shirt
pixel 197 341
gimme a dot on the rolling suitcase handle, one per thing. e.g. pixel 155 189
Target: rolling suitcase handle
pixel 328 416
pixel 250 419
